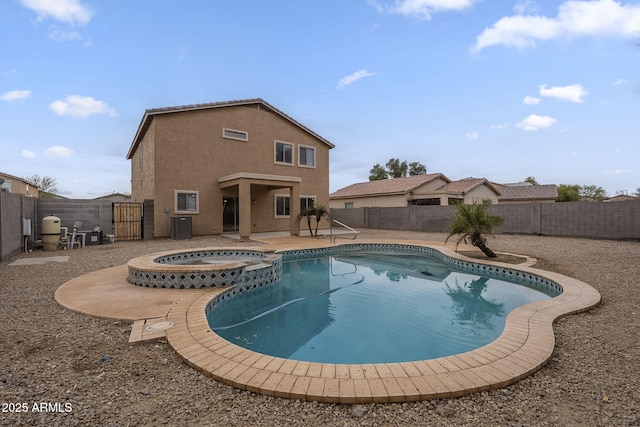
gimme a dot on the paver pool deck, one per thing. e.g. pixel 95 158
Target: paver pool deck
pixel 178 315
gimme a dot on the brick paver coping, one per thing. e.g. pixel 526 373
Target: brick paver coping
pixel 525 345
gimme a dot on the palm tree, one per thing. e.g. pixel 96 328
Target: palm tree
pixel 320 212
pixel 472 222
pixel 317 212
pixel 308 213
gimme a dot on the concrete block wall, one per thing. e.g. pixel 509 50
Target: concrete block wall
pixel 91 213
pixel 13 209
pixel 615 220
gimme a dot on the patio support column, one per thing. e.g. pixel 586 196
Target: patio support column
pixel 244 196
pixel 294 210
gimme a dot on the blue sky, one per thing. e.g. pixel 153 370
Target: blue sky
pixel 496 89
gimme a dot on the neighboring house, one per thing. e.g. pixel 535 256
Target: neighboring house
pixel 16 185
pixel 237 166
pixel 115 197
pixel 621 198
pixel 388 192
pixel 525 192
pixel 436 189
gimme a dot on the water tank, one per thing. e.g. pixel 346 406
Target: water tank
pixel 50 233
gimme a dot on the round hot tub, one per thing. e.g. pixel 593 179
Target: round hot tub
pixel 205 268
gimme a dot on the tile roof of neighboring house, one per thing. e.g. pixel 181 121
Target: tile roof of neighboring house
pixel 385 186
pixel 255 102
pixel 463 186
pixel 527 192
pixel 621 198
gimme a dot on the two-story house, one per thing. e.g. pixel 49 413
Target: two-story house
pixel 238 166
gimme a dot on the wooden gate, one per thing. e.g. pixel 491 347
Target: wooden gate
pixel 127 221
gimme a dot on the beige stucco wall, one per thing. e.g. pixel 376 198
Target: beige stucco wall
pixel 374 201
pixel 190 154
pixel 18 186
pixel 428 188
pixel 479 194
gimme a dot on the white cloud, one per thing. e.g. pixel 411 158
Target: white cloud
pixel 575 19
pixel 59 35
pixel 500 126
pixel 69 11
pixel 472 136
pixel 58 151
pixel 14 95
pixel 80 106
pixel 28 154
pixel 421 9
pixel 346 81
pixel 535 122
pixel 573 93
pixel 526 6
pixel 620 81
pixel 531 100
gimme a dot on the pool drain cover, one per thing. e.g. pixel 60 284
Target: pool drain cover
pixel 160 326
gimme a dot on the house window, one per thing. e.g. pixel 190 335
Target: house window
pixel 6 185
pixel 307 156
pixel 284 153
pixel 187 202
pixel 348 205
pixel 235 134
pixel 307 202
pixel 282 206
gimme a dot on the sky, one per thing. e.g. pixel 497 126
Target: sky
pixel 502 90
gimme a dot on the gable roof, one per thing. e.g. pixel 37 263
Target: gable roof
pixel 526 191
pixel 258 103
pixel 386 187
pixel 466 185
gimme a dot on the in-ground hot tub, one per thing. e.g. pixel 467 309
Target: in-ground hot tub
pixel 205 268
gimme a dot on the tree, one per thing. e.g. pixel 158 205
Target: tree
pixel 320 212
pixel 417 168
pixel 592 193
pixel 576 193
pixel 396 169
pixel 317 212
pixel 377 172
pixel 531 180
pixel 45 183
pixel 568 193
pixel 472 222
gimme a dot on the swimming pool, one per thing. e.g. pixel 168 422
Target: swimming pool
pixel 383 304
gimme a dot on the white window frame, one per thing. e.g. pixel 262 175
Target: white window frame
pixel 306 147
pixel 177 193
pixel 348 205
pixel 226 135
pixel 275 205
pixel 275 153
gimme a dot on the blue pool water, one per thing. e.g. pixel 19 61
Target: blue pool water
pixel 370 308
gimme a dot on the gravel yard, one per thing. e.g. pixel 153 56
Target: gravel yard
pixel 85 373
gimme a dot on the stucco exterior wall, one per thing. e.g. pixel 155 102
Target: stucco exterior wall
pixel 190 154
pixel 18 186
pixel 374 201
pixel 480 194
